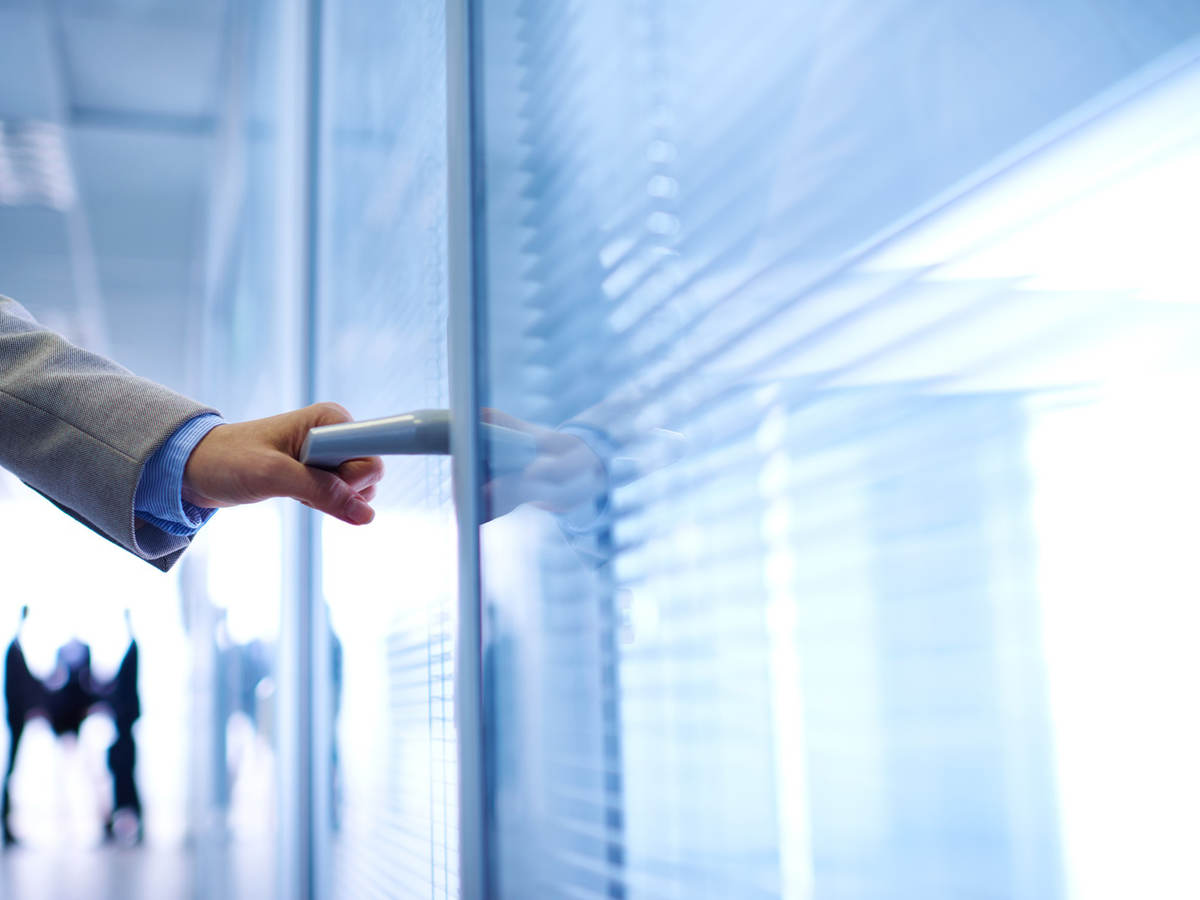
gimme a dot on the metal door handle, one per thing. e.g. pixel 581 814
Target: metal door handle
pixel 418 433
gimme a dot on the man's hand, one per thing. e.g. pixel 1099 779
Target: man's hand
pixel 251 461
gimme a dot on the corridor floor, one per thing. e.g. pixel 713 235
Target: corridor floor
pixel 101 873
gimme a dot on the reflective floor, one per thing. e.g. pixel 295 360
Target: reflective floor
pixel 98 873
pixel 161 873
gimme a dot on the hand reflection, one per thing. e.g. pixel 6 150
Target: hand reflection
pixel 564 475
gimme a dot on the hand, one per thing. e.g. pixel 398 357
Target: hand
pixel 251 461
pixel 565 473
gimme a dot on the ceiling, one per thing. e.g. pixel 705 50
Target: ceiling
pixel 130 91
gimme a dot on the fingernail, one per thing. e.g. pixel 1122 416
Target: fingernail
pixel 359 512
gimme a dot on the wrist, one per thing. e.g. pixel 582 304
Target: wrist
pixel 191 485
pixel 160 495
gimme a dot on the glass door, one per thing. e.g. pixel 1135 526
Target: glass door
pixel 881 322
pixel 837 490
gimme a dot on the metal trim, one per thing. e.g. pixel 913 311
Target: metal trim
pixel 465 292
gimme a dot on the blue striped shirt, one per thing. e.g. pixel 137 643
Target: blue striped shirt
pixel 159 495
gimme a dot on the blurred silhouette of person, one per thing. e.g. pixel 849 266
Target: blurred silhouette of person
pixel 335 760
pixel 241 669
pixel 71 691
pixel 122 698
pixel 65 700
pixel 22 692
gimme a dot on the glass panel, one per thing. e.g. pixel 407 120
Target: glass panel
pixel 235 575
pixel 381 336
pixel 882 319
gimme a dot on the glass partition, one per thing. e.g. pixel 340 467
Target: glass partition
pixel 879 321
pixel 381 350
pixel 239 572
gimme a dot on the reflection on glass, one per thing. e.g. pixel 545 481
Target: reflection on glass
pixel 883 320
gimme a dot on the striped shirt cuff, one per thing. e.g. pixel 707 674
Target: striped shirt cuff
pixel 590 515
pixel 159 496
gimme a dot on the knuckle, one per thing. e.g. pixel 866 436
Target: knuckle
pixel 329 409
pixel 363 471
pixel 371 469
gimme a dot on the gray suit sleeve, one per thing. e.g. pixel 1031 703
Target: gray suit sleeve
pixel 78 429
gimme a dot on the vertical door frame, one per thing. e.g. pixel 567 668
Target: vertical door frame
pixel 302 854
pixel 466 286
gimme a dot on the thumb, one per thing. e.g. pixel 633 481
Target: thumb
pixel 323 491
